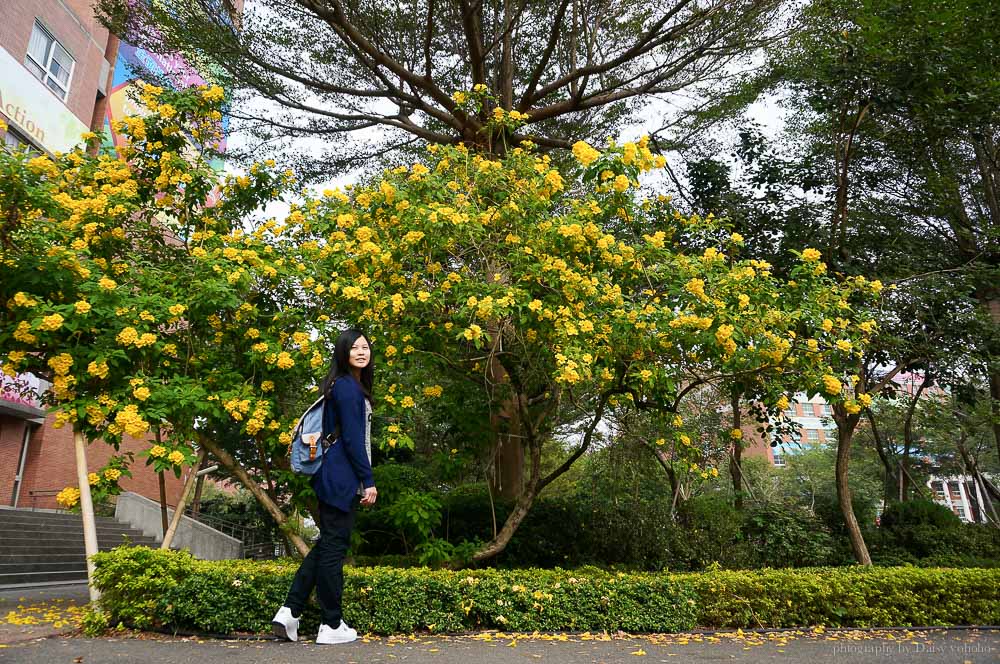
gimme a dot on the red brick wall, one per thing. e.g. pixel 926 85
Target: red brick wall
pixel 51 465
pixel 11 437
pixel 73 25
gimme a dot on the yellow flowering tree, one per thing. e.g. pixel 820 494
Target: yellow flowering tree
pixel 564 294
pixel 151 311
pixel 557 295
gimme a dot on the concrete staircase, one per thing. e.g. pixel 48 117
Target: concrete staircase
pixel 41 548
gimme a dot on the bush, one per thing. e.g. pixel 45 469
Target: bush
pixel 917 529
pixel 918 512
pixel 849 597
pixel 238 596
pixel 787 537
pixel 379 532
pixel 152 588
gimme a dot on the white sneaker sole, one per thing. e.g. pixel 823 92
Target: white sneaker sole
pixel 336 641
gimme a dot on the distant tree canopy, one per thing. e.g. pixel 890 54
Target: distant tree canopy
pixel 445 71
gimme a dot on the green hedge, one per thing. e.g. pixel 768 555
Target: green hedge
pixel 151 588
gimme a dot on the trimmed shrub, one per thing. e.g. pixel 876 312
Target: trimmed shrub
pixel 919 512
pixel 787 537
pixel 923 533
pixel 152 588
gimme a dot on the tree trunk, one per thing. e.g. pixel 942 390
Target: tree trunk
pixel 846 425
pixel 233 466
pixel 736 458
pixel 198 489
pixel 536 483
pixel 668 468
pixel 164 518
pixel 890 486
pixel 510 526
pixel 991 495
pixel 995 398
pixel 507 477
pixel 904 463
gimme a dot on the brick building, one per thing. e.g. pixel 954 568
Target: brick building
pixel 813 415
pixel 37 460
pixel 62 74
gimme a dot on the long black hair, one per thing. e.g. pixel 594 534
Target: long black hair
pixel 341 364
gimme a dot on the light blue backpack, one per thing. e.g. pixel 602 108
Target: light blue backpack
pixel 308 446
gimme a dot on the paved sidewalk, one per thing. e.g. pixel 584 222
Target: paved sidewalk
pixel 31 613
pixel 823 647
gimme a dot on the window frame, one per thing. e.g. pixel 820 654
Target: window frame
pixel 46 67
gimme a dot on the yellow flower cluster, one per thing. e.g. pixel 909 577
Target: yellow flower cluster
pixel 831 385
pixel 157 451
pixel 697 288
pixel 175 458
pixel 473 332
pixel 285 361
pixel 68 497
pixel 256 421
pixel 51 323
pixel 237 408
pixel 584 153
pixel 129 336
pixel 433 391
pixel 213 94
pixel 61 363
pixel 131 422
pixel 98 369
pixel 21 299
pixel 112 474
pixel 23 333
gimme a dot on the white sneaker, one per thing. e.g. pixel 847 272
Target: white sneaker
pixel 284 625
pixel 330 636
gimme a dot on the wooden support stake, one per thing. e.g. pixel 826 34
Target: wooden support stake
pixel 182 502
pixel 87 510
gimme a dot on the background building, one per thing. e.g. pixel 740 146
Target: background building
pixel 63 74
pixel 814 418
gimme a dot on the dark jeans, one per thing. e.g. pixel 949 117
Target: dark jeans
pixel 323 568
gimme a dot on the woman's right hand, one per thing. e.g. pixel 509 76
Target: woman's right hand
pixel 371 493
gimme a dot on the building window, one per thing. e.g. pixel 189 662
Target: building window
pixel 779 460
pixel 938 488
pixel 790 411
pixel 960 512
pixel 812 435
pixel 14 141
pixel 824 409
pixel 49 61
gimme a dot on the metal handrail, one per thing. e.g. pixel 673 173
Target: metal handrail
pixel 35 494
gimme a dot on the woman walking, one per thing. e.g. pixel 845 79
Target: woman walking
pixel 343 482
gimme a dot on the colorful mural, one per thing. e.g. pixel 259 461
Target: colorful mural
pixel 131 62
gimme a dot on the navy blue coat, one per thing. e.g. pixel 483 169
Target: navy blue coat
pixel 345 464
